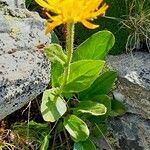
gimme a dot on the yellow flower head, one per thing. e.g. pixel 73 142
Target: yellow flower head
pixel 72 11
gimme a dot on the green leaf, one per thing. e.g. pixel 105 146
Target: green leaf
pixel 93 108
pixel 52 109
pixel 45 143
pixel 54 38
pixel 56 73
pixel 55 53
pixel 102 85
pixel 96 47
pixel 106 101
pixel 82 75
pixel 117 107
pixel 85 145
pixel 77 128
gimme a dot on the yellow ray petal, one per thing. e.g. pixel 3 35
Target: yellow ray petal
pixel 46 5
pixel 72 11
pixel 89 25
pixel 92 5
pixel 53 2
pixel 51 26
pixel 43 4
pixel 100 11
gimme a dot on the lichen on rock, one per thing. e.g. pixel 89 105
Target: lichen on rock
pixel 24 70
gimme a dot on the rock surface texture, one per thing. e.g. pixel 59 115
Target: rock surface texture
pixel 24 70
pixel 132 130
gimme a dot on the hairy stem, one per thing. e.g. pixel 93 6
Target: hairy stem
pixel 69 51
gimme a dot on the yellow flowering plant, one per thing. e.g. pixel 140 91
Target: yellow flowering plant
pixel 79 84
pixel 72 11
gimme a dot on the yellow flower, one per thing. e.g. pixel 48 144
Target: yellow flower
pixel 72 11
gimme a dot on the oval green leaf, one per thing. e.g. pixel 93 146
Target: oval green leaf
pixel 82 75
pixel 96 47
pixel 118 108
pixel 77 128
pixel 54 53
pixel 93 108
pixel 56 73
pixel 102 85
pixel 106 101
pixel 85 145
pixel 52 109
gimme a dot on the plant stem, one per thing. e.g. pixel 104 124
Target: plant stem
pixel 69 51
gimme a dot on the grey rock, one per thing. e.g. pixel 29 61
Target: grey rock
pixel 135 98
pixel 14 3
pixel 132 130
pixel 24 70
pixel 134 81
pixel 134 67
